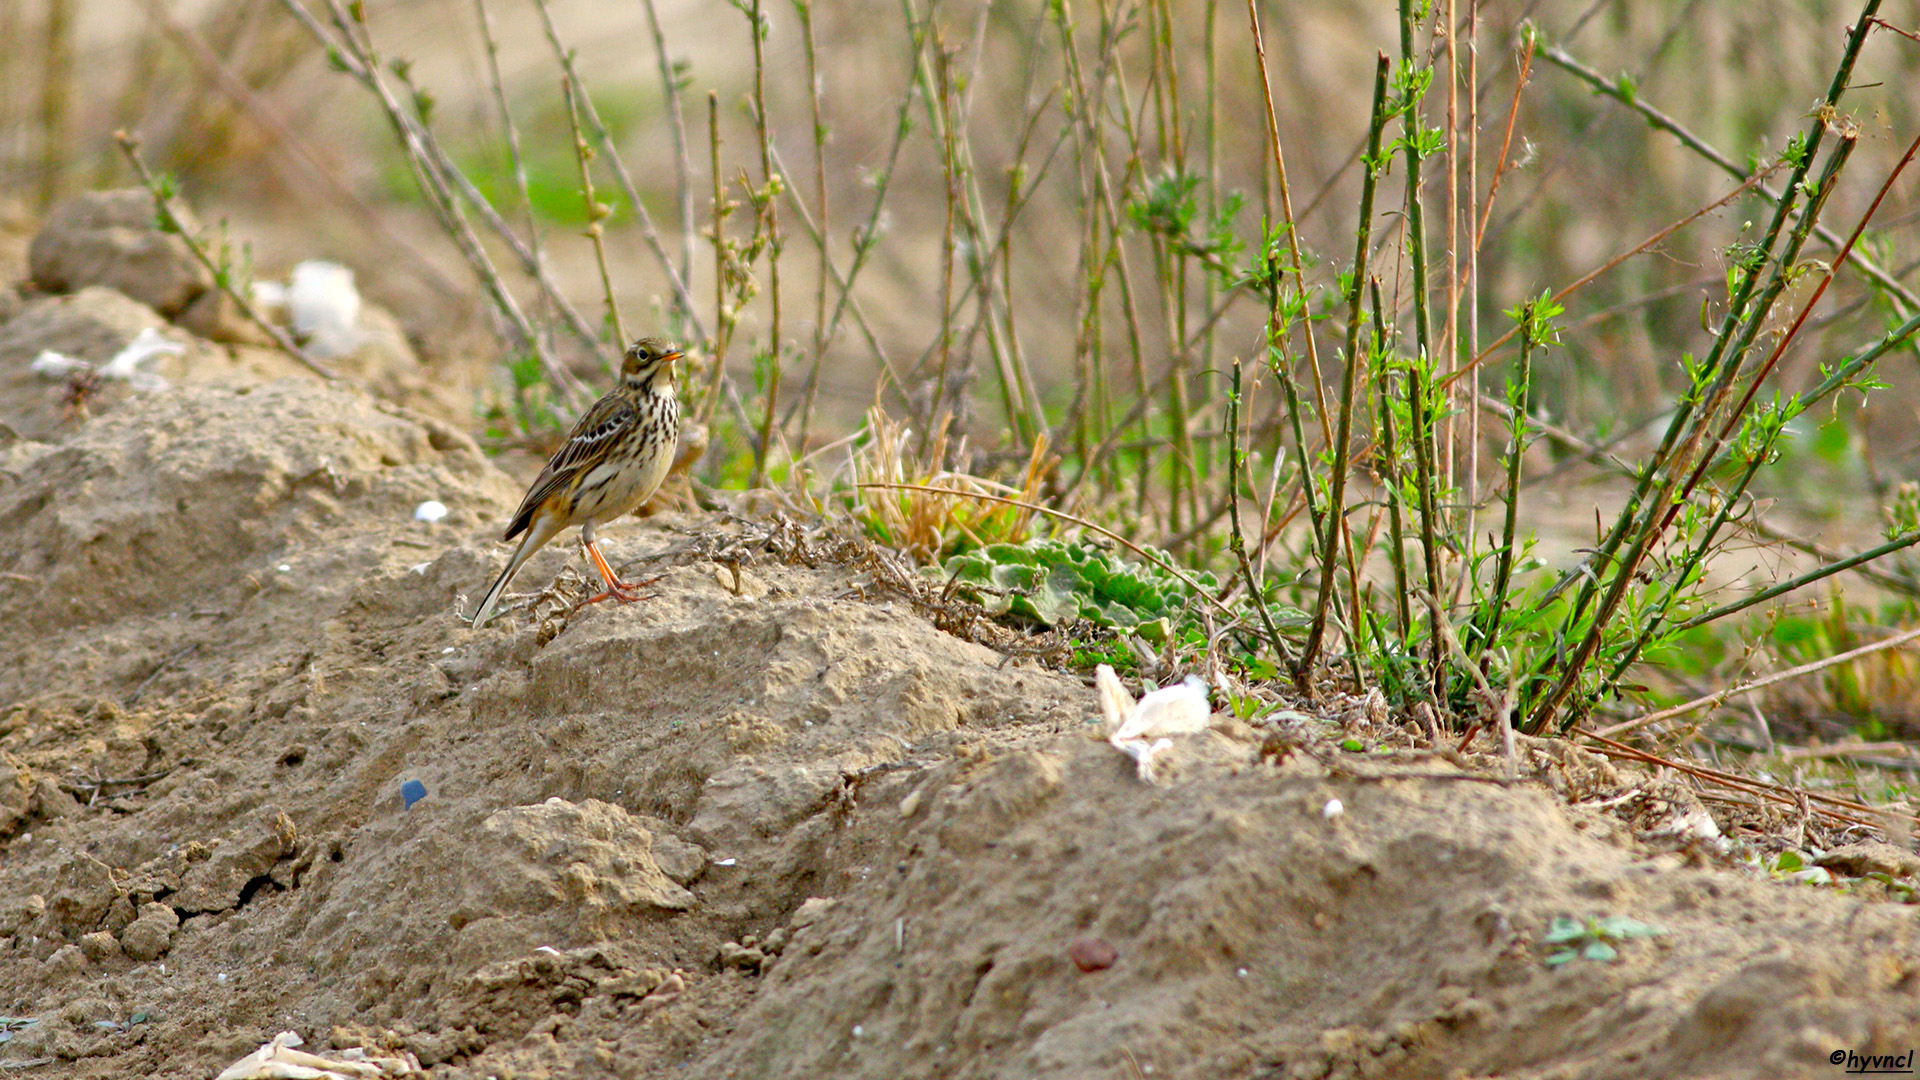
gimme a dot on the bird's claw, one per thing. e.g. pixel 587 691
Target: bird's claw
pixel 623 591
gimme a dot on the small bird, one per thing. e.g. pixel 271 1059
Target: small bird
pixel 614 460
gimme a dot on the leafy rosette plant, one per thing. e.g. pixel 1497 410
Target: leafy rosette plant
pixel 1055 581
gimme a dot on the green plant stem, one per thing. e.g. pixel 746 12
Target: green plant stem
pixel 1495 609
pixel 1420 415
pixel 516 161
pixel 439 183
pixel 1416 215
pixel 891 374
pixel 804 9
pixel 1321 522
pixel 1759 457
pixel 866 235
pixel 940 105
pixel 1330 540
pixel 1255 585
pixel 1775 287
pixel 1848 143
pixel 677 127
pixel 723 318
pixel 605 144
pixel 1296 264
pixel 596 211
pixel 1898 543
pixel 768 218
pixel 1722 367
pixel 1390 468
pixel 1425 434
pixel 1711 368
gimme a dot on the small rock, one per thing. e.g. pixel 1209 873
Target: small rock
pixel 66 967
pixel 1092 954
pixel 592 857
pixel 739 582
pixel 666 993
pixel 87 1011
pixel 735 955
pixel 251 852
pixel 109 238
pixel 811 911
pixel 149 936
pixel 51 801
pixel 682 862
pixel 19 912
pixel 1870 857
pixel 16 793
pixel 84 891
pixel 99 946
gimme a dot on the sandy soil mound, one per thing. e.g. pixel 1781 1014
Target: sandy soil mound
pixel 256 775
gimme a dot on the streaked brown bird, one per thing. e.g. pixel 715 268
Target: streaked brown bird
pixel 613 460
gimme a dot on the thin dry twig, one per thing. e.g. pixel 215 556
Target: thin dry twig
pixel 596 210
pixel 1856 748
pixel 1845 810
pixel 675 279
pixel 1719 696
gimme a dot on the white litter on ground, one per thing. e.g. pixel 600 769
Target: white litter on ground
pixel 322 306
pixel 1139 729
pixel 278 1060
pixel 125 365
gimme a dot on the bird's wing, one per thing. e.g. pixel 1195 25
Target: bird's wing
pixel 586 446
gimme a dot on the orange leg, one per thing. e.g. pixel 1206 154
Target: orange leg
pixel 625 592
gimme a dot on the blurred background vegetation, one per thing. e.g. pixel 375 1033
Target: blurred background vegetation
pixel 237 100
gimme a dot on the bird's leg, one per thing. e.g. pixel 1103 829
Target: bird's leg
pixel 625 592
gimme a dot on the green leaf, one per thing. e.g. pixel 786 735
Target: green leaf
pixel 1074 580
pixel 1622 928
pixel 1154 631
pixel 1812 875
pixel 1563 930
pixel 1014 577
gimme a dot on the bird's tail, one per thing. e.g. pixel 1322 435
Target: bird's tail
pixel 520 555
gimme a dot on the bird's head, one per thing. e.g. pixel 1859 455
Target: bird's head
pixel 647 358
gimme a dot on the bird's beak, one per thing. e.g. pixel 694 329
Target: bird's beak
pixel 671 357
